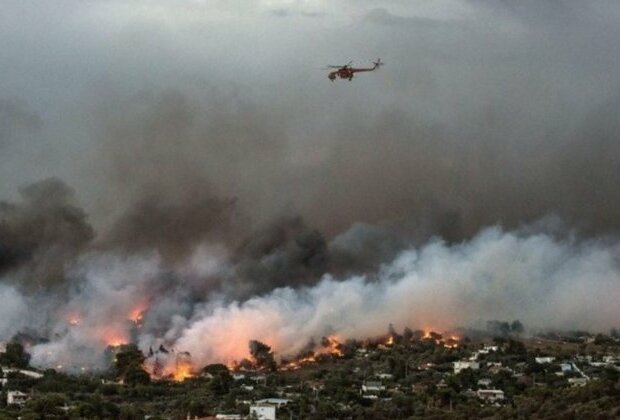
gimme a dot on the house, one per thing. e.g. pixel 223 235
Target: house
pixel 373 386
pixel 16 398
pixel 543 360
pixel 277 402
pixel 484 382
pixel 577 381
pixel 263 411
pixel 229 416
pixel 465 364
pixel 259 378
pixel 490 395
pixel 238 376
pixel 566 367
pixel 29 373
pixel 385 375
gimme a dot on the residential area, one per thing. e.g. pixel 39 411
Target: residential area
pixel 402 375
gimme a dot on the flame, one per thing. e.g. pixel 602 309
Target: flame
pixel 137 313
pixel 330 345
pixel 297 364
pixel 182 372
pixel 114 338
pixel 452 342
pixel 333 346
pixel 390 341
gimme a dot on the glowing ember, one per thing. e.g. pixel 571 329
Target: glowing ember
pixel 73 318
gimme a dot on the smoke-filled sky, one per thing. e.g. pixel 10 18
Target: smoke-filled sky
pixel 200 146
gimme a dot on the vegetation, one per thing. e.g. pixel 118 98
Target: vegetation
pixel 415 371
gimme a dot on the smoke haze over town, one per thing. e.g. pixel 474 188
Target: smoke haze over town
pixel 184 174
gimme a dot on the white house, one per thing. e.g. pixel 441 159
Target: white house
pixel 229 416
pixel 484 382
pixel 28 373
pixel 277 402
pixel 577 381
pixel 542 360
pixel 16 398
pixel 491 395
pixel 263 412
pixel 373 386
pixel 465 364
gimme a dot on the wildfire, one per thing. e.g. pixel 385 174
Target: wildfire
pixel 182 373
pixel 452 342
pixel 332 346
pixel 183 367
pixel 137 314
pixel 114 338
pixel 297 364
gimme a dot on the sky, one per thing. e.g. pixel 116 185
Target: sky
pixel 485 91
pixel 199 149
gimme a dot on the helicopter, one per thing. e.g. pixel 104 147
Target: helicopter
pixel 347 72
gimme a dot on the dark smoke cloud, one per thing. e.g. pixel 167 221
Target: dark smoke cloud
pixel 174 229
pixel 41 234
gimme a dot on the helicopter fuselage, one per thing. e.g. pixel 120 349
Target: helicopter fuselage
pixel 347 72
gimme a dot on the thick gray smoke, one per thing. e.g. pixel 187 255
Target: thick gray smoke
pixel 228 191
pixel 542 281
pixel 41 234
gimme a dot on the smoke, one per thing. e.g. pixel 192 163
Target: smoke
pixel 496 275
pixel 41 234
pixel 15 119
pixel 543 281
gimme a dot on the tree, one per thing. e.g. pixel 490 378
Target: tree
pixel 262 355
pixel 128 365
pixel 15 356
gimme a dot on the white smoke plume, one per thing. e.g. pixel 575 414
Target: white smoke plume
pixel 545 282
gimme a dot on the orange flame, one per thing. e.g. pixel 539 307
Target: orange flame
pixel 114 338
pixel 333 346
pixel 182 372
pixel 137 313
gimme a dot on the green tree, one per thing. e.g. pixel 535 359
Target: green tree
pixel 15 356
